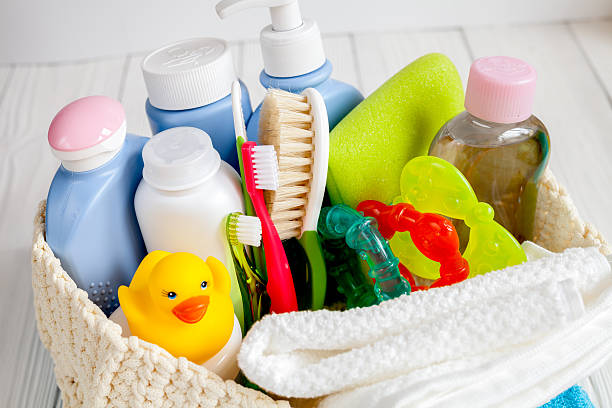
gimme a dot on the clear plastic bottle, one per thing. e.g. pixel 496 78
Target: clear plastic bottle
pixel 500 147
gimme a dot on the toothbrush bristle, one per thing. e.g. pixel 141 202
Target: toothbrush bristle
pixel 265 167
pixel 244 229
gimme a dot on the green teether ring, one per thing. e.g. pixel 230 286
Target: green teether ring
pixel 434 185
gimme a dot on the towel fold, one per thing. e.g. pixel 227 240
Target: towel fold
pixel 525 375
pixel 310 354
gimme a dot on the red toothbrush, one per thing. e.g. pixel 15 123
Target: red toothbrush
pixel 261 173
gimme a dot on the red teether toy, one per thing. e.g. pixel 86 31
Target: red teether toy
pixel 432 234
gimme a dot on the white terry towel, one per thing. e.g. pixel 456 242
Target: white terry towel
pixel 310 354
pixel 527 375
pixel 521 377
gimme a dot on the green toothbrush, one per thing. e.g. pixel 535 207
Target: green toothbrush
pixel 244 230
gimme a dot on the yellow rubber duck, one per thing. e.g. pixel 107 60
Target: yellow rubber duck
pixel 180 303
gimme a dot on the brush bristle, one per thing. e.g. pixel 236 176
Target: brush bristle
pixel 265 167
pixel 286 123
pixel 244 229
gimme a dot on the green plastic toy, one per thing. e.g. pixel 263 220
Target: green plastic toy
pixel 361 234
pixel 434 185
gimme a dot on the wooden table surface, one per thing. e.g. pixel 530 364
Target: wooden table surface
pixel 574 100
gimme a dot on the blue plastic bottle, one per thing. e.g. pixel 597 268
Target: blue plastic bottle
pixel 91 224
pixel 189 84
pixel 294 58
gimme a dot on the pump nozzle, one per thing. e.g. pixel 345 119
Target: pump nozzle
pixel 285 14
pixel 291 46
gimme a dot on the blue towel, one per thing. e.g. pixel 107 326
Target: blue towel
pixel 575 397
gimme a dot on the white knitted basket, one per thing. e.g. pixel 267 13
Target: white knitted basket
pixel 96 367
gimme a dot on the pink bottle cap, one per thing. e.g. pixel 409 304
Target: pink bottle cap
pixel 85 123
pixel 500 89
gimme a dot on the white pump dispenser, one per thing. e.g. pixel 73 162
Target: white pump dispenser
pixel 291 46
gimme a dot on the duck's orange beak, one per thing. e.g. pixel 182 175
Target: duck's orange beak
pixel 192 310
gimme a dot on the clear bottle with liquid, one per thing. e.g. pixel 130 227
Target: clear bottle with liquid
pixel 498 145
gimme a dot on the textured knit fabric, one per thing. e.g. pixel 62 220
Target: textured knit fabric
pixel 381 342
pixel 95 367
pixel 523 375
pixel 586 267
pixel 557 223
pixel 574 397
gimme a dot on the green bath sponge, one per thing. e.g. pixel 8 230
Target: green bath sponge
pixel 370 146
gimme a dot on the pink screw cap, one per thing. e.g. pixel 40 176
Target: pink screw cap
pixel 85 123
pixel 501 89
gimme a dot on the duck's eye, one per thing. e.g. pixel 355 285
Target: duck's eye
pixel 204 285
pixel 171 295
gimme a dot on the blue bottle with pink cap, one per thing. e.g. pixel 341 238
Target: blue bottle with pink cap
pixel 91 222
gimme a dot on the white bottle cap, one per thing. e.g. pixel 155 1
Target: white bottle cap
pixel 95 156
pixel 179 158
pixel 189 74
pixel 290 46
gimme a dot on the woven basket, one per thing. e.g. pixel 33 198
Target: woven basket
pixel 96 367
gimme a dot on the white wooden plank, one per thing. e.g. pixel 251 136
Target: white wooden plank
pixel 251 64
pixel 381 55
pixel 39 388
pixel 31 99
pixel 236 49
pixel 595 38
pixel 340 51
pixel 133 97
pixel 571 103
pixel 5 73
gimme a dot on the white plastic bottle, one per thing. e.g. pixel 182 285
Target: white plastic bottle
pixel 184 196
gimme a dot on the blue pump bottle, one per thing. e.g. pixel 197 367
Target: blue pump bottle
pixel 189 84
pixel 294 58
pixel 91 223
pixel 340 98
